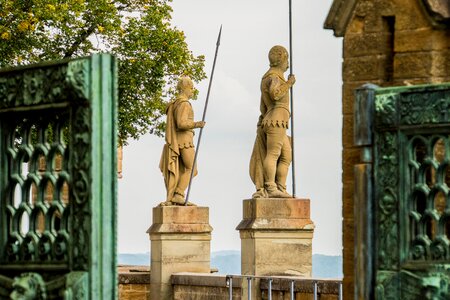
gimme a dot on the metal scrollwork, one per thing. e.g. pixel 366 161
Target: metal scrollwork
pixel 420 108
pixel 385 108
pixel 81 187
pixel 411 175
pixel 78 78
pixel 50 84
pixel 387 178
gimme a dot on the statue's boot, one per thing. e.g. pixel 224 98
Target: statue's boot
pixel 274 192
pixel 261 193
pixel 178 199
pixel 282 188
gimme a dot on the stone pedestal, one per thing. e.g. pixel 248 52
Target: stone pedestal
pixel 180 242
pixel 276 238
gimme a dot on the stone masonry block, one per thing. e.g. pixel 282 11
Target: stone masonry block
pixel 441 63
pixel 350 157
pixel 347 131
pixel 413 65
pixel 368 44
pixel 422 39
pixel 348 189
pixel 364 68
pixel 410 15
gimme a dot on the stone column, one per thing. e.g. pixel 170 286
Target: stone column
pixel 180 242
pixel 276 238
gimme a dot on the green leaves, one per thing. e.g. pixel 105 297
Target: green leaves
pixel 152 53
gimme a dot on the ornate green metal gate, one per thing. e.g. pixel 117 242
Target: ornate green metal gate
pixel 58 180
pixel 402 192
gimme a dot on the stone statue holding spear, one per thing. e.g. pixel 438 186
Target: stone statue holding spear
pixel 178 160
pixel 272 152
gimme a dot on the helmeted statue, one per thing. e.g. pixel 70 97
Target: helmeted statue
pixel 177 159
pixel 272 152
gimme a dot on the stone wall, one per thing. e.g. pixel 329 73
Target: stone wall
pixel 206 287
pixel 203 287
pixel 303 289
pixel 134 283
pixel 388 43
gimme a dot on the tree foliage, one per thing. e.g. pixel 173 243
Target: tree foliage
pixel 152 53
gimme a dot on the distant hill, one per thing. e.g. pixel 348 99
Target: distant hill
pixel 326 266
pixel 229 262
pixel 134 259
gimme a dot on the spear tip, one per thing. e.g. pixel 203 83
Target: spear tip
pixel 220 34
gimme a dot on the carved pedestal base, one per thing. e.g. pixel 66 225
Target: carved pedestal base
pixel 276 238
pixel 180 242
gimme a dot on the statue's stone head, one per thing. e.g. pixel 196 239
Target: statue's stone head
pixel 185 85
pixel 278 56
pixel 28 286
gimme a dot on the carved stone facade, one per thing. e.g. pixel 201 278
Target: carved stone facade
pixel 388 43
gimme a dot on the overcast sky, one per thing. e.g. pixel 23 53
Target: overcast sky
pixel 250 29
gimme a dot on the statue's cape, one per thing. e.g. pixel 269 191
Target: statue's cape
pixel 257 159
pixel 169 163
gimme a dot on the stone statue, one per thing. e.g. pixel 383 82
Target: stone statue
pixel 177 158
pixel 272 154
pixel 28 286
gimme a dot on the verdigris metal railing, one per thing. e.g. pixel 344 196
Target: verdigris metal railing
pixel 270 279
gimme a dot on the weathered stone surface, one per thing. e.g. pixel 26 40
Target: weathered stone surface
pixel 356 25
pixel 273 214
pixel 134 291
pixel 268 250
pixel 413 65
pixel 182 292
pixel 208 286
pixel 348 189
pixel 178 245
pixel 364 68
pixel 422 39
pixel 366 44
pixel 134 275
pixel 179 219
pixel 441 63
pixel 276 238
pixel 350 157
pixel 347 131
pixel 134 282
pixel 195 279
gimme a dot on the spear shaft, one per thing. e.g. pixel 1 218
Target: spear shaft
pixel 292 99
pixel 204 115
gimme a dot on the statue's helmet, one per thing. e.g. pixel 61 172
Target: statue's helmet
pixel 183 83
pixel 276 55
